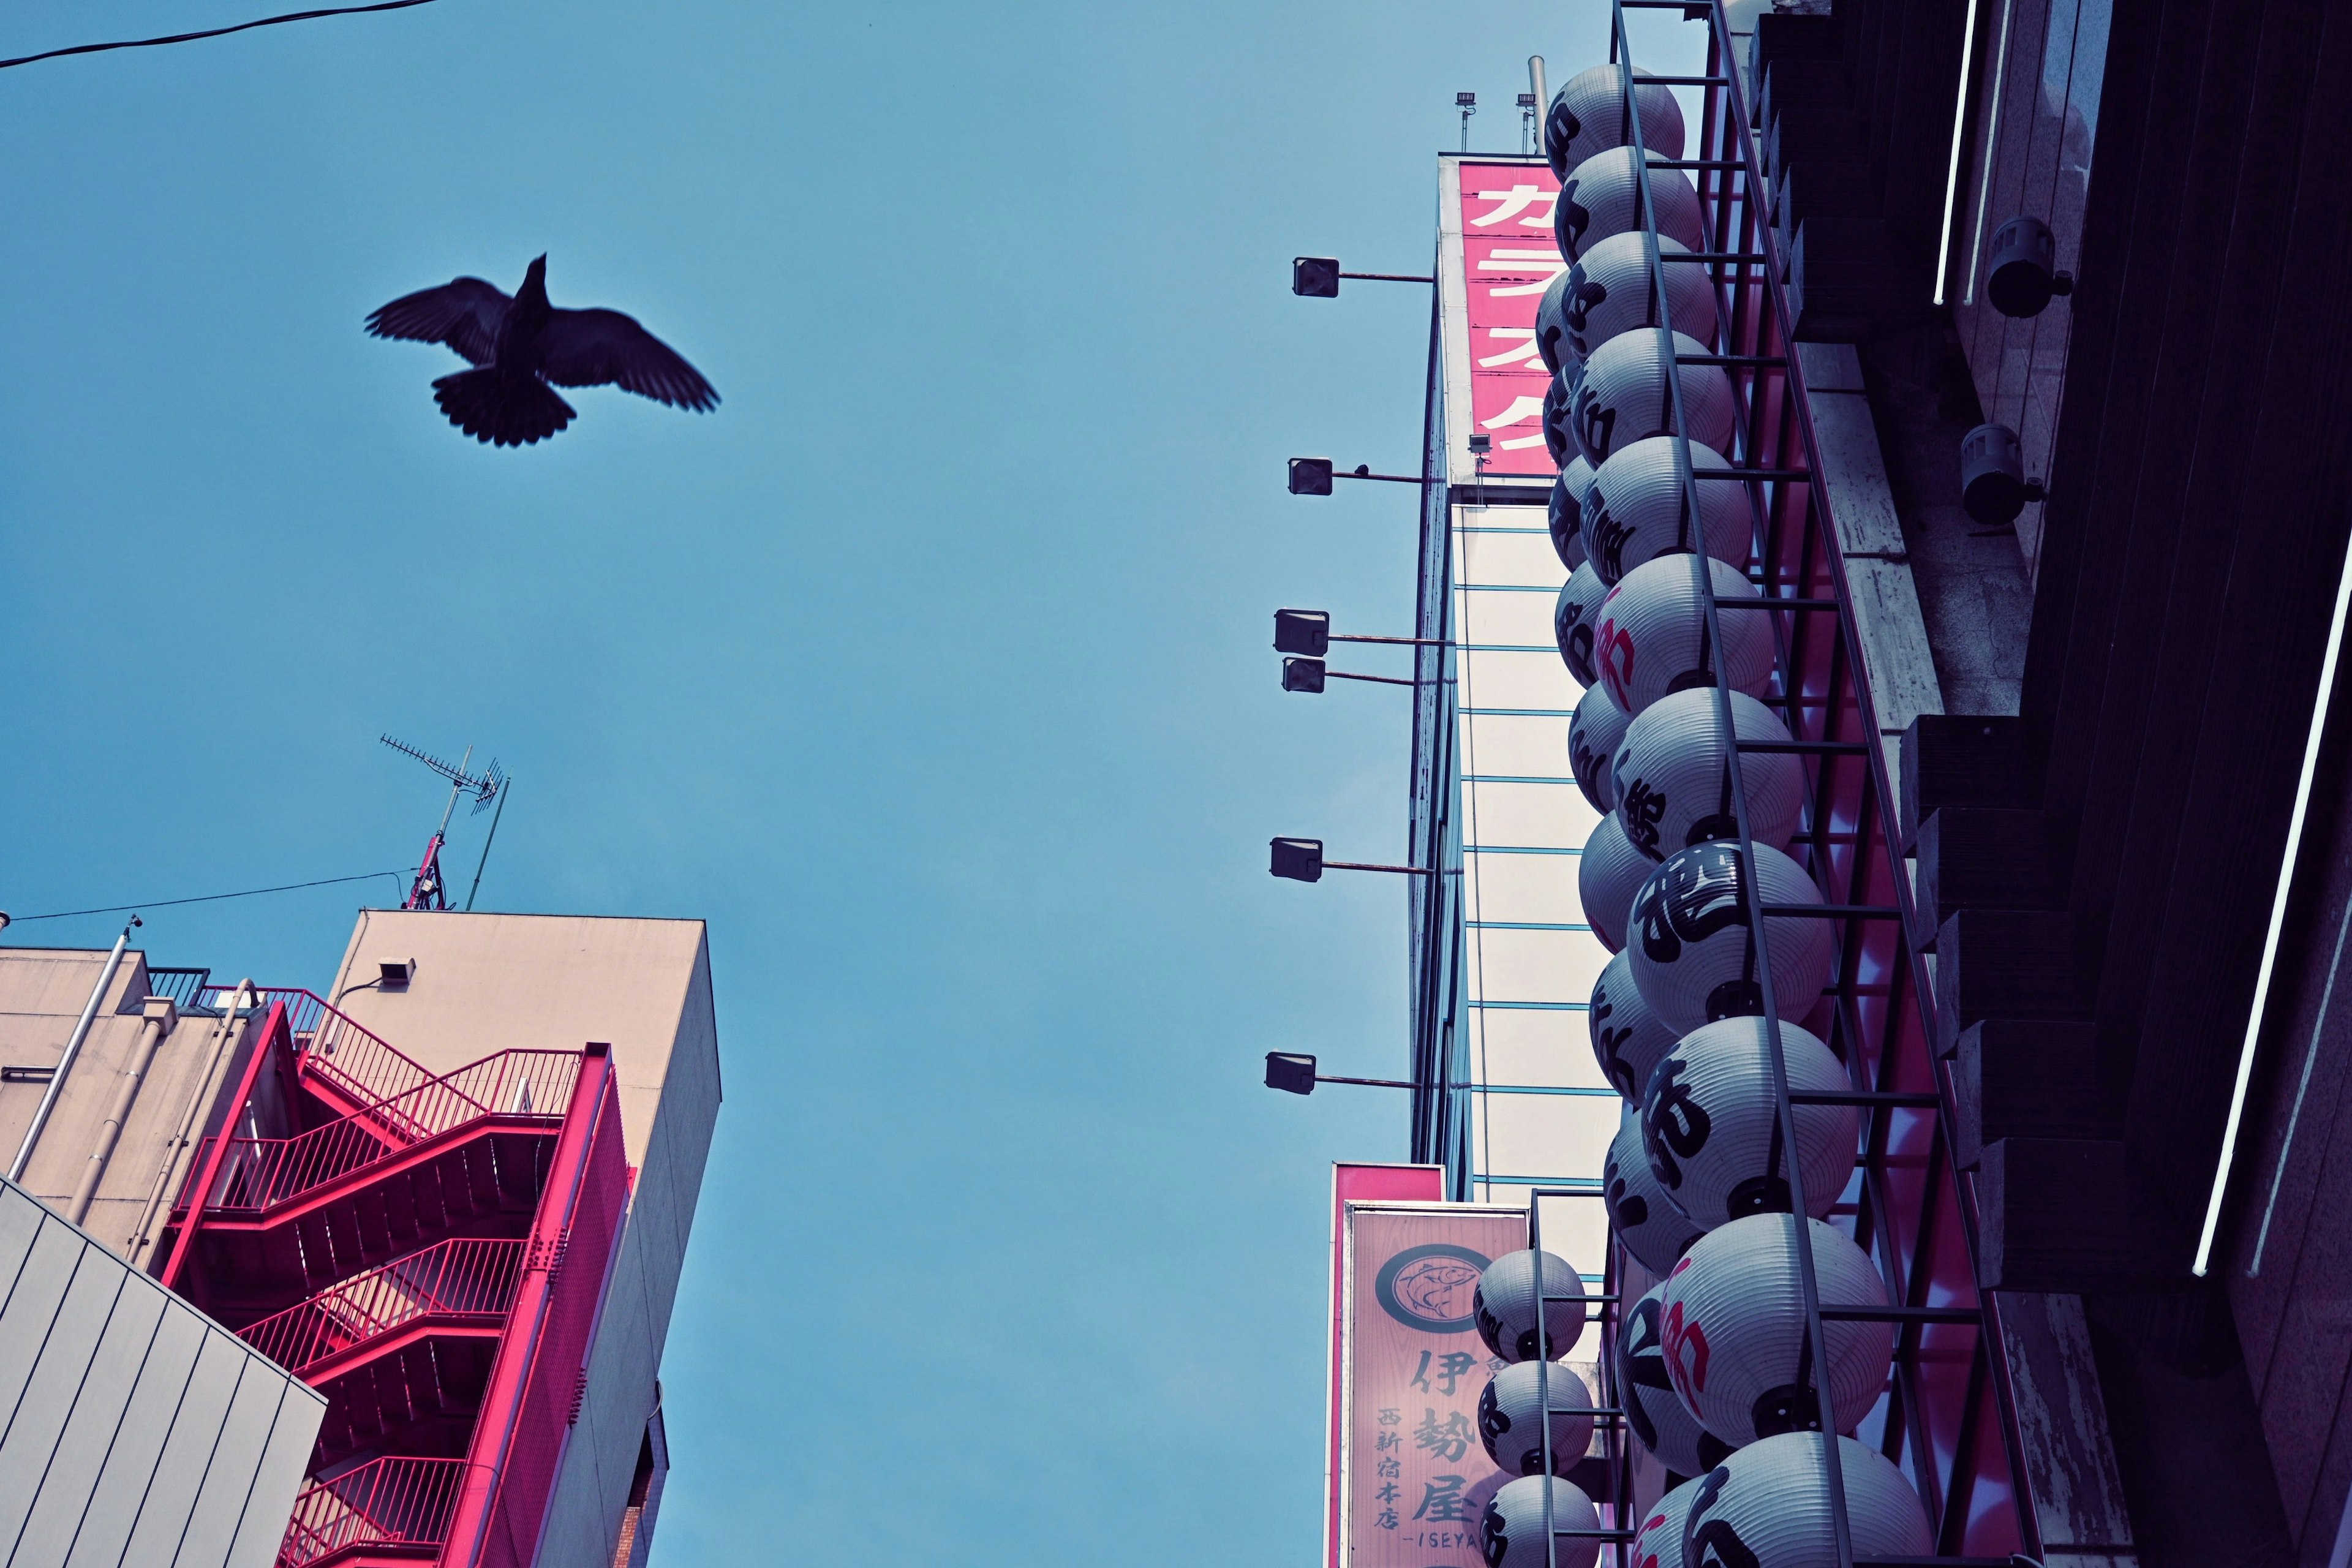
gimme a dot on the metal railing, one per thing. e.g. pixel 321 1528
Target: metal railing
pixel 257 1173
pixel 391 1503
pixel 185 987
pixel 462 1278
pixel 1944 1418
pixel 335 1046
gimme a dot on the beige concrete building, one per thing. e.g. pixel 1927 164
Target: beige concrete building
pixel 175 1058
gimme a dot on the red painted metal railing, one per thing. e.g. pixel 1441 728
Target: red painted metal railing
pixel 337 1048
pixel 393 1506
pixel 260 1172
pixel 464 1279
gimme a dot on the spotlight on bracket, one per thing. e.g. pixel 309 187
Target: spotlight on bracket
pixel 1993 486
pixel 2022 276
pixel 1297 859
pixel 1315 277
pixel 1306 632
pixel 1310 476
pixel 1304 674
pixel 1290 1072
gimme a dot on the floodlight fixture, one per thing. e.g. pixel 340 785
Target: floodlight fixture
pixel 1301 860
pixel 2022 276
pixel 1309 674
pixel 1293 1072
pixel 1318 277
pixel 1313 476
pixel 1308 633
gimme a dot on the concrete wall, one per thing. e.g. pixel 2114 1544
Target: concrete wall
pixel 41 995
pixel 134 1430
pixel 490 983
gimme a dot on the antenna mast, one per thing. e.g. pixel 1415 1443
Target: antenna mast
pixel 427 891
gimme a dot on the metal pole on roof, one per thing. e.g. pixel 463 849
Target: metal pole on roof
pixel 488 839
pixel 73 1048
pixel 1543 104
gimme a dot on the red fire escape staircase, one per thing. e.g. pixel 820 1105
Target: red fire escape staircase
pixel 427 1251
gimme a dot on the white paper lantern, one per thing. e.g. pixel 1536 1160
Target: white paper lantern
pixel 1612 292
pixel 1601 197
pixel 1575 618
pixel 1671 775
pixel 1653 1409
pixel 1711 1128
pixel 1503 1306
pixel 1595 734
pixel 1654 1231
pixel 1650 636
pixel 1560 412
pixel 1506 1417
pixel 1588 114
pixel 1636 509
pixel 1769 1503
pixel 1732 1319
pixel 1512 1534
pixel 1552 324
pixel 1694 953
pixel 1566 511
pixel 1629 1039
pixel 1609 874
pixel 1658 1539
pixel 1622 396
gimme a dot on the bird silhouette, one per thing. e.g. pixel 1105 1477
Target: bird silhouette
pixel 519 345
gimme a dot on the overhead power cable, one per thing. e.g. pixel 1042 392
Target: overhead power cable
pixel 209 33
pixel 209 897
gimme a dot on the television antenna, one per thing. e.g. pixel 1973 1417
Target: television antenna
pixel 427 891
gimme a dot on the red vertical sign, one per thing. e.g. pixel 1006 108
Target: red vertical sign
pixel 1358 1183
pixel 1510 257
pixel 1413 1476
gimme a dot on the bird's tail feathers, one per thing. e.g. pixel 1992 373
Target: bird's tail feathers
pixel 504 412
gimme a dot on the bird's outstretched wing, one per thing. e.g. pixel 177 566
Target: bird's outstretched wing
pixel 593 348
pixel 463 314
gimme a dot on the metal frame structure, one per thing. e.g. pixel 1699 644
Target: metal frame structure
pixel 347 1294
pixel 1948 1418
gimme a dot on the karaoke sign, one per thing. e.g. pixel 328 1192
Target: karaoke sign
pixel 1509 258
pixel 1414 1477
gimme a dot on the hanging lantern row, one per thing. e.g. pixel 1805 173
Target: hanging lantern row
pixel 1714 1366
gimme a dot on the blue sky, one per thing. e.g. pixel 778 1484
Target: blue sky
pixel 932 669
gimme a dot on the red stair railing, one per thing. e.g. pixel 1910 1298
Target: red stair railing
pixel 391 1503
pixel 337 1048
pixel 256 1173
pixel 461 1278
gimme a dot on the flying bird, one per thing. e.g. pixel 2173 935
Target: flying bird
pixel 519 345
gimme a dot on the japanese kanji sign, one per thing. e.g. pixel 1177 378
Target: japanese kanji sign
pixel 1415 1478
pixel 1509 257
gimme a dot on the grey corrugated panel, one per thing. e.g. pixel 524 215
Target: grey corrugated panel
pixel 180 1469
pixel 229 1473
pixel 20 1221
pixel 276 1478
pixel 130 1466
pixel 79 1453
pixel 32 1306
pixel 57 1377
